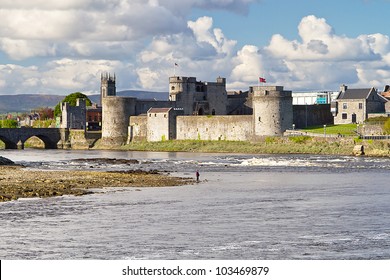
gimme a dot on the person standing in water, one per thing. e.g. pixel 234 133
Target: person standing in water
pixel 197 175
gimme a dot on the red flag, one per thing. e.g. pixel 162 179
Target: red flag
pixel 262 80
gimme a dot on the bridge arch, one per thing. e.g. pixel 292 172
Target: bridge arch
pixel 47 141
pixel 9 144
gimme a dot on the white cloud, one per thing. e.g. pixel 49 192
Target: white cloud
pixel 72 42
pixel 62 76
pixel 202 51
pixel 323 59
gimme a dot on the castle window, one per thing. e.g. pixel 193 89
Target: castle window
pixel 155 115
pixel 213 112
pixel 360 106
pixel 165 115
pixel 344 116
pixel 259 119
pixel 173 88
pixel 345 106
pixel 150 115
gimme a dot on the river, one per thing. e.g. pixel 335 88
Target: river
pixel 245 207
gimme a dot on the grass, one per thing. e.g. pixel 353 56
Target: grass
pixel 278 145
pixel 344 129
pixel 268 145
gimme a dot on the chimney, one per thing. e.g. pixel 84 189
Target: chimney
pixel 343 88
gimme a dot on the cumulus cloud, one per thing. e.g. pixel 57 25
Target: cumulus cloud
pixel 202 51
pixel 62 46
pixel 322 59
pixel 62 76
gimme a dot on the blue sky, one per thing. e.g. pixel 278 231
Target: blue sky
pixel 58 47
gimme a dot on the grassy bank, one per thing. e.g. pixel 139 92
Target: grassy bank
pixel 269 145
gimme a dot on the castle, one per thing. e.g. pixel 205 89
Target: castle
pixel 195 110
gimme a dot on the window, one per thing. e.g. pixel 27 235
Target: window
pixel 173 88
pixel 344 116
pixel 360 106
pixel 345 106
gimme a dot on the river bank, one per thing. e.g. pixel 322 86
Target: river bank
pixel 268 145
pixel 19 182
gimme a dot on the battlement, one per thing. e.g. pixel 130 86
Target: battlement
pixel 179 79
pixel 106 77
pixel 269 91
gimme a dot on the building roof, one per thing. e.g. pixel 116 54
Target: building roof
pixel 360 93
pixel 159 110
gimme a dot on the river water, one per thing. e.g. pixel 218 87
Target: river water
pixel 245 207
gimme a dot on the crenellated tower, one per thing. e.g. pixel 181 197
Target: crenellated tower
pixel 107 86
pixel 272 110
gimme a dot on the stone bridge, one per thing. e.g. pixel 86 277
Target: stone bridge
pixel 14 138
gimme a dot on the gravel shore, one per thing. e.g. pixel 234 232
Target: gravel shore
pixel 19 182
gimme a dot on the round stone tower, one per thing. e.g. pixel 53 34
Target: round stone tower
pixel 116 112
pixel 272 110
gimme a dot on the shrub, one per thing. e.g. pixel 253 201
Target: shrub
pixel 386 126
pixel 270 140
pixel 300 139
pixel 9 124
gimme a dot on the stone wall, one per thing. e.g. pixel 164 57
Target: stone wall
pixel 217 97
pixel 74 116
pixel 312 115
pixel 234 128
pixel 137 128
pixel 350 108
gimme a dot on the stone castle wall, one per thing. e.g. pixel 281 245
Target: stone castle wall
pixel 137 128
pixel 233 128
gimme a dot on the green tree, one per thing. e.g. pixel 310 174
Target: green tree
pixel 71 99
pixel 9 124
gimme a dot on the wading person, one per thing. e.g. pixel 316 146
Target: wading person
pixel 197 175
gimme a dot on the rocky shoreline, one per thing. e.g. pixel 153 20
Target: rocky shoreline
pixel 19 182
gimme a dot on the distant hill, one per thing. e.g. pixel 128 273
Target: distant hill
pixel 28 102
pixel 144 94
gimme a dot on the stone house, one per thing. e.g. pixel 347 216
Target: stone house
pixel 161 123
pixel 354 105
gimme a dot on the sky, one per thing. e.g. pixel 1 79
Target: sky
pixel 59 47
